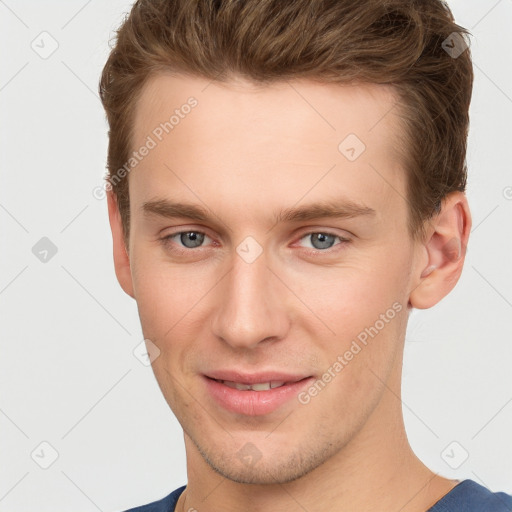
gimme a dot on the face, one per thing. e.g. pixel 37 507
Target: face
pixel 269 243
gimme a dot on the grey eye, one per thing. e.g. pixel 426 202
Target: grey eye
pixel 321 240
pixel 191 239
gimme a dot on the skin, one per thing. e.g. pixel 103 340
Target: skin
pixel 245 152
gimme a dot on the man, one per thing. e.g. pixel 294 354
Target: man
pixel 287 183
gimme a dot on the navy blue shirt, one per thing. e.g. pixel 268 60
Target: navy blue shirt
pixel 466 496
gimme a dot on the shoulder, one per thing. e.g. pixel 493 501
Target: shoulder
pixel 470 496
pixel 166 504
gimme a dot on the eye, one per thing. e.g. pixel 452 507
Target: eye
pixel 188 239
pixel 321 240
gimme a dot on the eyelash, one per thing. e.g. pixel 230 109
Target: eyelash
pixel 166 240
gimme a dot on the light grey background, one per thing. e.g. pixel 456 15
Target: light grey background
pixel 68 376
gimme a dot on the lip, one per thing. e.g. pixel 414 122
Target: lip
pixel 253 378
pixel 255 403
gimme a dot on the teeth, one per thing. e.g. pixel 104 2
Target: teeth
pixel 260 386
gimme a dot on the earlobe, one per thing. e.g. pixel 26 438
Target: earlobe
pixel 121 257
pixel 446 251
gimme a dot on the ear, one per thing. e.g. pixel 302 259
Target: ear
pixel 121 258
pixel 445 249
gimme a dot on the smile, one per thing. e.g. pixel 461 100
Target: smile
pixel 255 399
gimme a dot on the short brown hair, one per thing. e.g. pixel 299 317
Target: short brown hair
pixel 398 42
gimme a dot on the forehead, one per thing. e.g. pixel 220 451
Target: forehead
pixel 259 137
pixel 333 109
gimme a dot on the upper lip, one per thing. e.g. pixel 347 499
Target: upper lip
pixel 253 378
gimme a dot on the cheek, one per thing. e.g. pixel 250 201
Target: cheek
pixel 364 305
pixel 350 298
pixel 167 295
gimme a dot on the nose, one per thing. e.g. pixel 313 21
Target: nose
pixel 251 305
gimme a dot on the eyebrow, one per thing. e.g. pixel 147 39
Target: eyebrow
pixel 342 209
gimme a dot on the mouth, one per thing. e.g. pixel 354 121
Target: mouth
pixel 255 398
pixel 257 386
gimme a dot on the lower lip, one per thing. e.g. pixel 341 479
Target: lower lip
pixel 254 403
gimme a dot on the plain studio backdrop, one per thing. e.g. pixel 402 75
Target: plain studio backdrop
pixel 74 396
